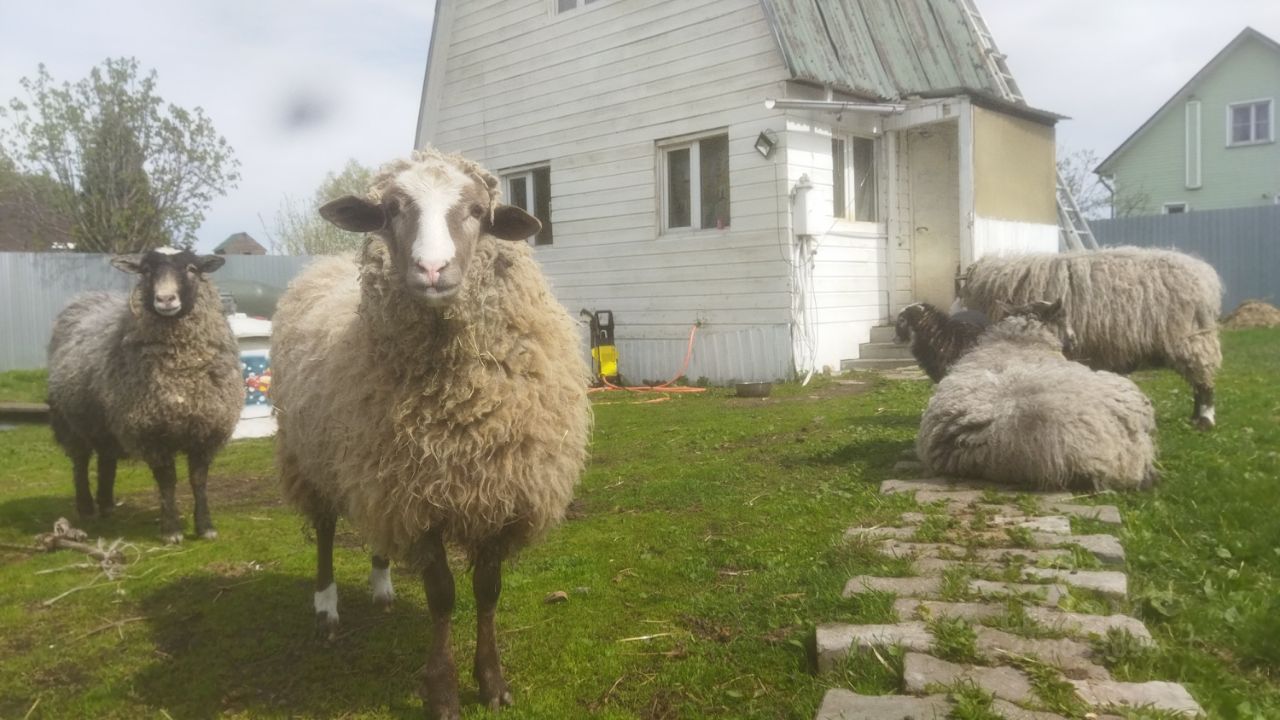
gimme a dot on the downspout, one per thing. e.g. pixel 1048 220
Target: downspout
pixel 894 225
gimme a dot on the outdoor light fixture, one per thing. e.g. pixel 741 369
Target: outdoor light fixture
pixel 765 143
pixel 836 106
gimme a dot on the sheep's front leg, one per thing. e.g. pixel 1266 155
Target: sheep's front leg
pixel 440 677
pixel 326 598
pixel 198 473
pixel 106 484
pixel 1203 416
pixel 380 582
pixel 167 480
pixel 486 583
pixel 80 476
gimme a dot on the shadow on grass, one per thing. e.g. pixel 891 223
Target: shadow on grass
pixel 876 454
pixel 135 518
pixel 248 645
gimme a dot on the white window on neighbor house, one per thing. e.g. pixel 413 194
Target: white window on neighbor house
pixel 567 5
pixel 1175 208
pixel 1252 122
pixel 694 182
pixel 854 179
pixel 529 188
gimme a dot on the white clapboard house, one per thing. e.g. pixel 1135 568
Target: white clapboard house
pixel 784 174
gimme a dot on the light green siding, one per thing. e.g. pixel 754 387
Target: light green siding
pixel 1154 165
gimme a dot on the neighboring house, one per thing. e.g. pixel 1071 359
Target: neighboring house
pixel 1213 144
pixel 674 195
pixel 240 244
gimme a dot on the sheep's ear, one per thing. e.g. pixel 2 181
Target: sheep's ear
pixel 512 223
pixel 206 264
pixel 354 214
pixel 128 263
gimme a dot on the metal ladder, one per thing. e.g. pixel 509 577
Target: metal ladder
pixel 1073 229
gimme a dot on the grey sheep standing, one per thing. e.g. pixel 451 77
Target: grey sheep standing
pixel 430 391
pixel 147 375
pixel 1128 307
pixel 1015 411
pixel 937 339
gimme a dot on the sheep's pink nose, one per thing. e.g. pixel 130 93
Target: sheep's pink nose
pixel 166 300
pixel 431 270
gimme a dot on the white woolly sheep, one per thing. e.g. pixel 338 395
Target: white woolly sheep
pixel 937 339
pixel 432 391
pixel 1128 307
pixel 148 375
pixel 1015 411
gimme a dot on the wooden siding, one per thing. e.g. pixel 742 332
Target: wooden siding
pixel 593 91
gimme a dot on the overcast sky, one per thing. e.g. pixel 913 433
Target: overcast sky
pixel 299 87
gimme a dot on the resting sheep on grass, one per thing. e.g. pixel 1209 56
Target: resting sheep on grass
pixel 1014 410
pixel 1128 307
pixel 148 375
pixel 937 339
pixel 432 391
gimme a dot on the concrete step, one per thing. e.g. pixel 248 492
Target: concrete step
pixel 884 351
pixel 875 364
pixel 882 333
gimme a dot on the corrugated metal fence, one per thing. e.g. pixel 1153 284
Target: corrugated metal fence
pixel 1242 244
pixel 34 287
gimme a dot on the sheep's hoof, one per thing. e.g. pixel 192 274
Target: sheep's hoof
pixel 326 626
pixel 210 534
pixel 494 693
pixel 172 538
pixel 1202 423
pixel 384 601
pixel 86 512
pixel 106 511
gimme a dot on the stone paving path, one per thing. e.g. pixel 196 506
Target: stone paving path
pixel 1002 599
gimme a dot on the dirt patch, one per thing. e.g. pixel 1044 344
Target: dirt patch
pixel 242 490
pixel 1253 314
pixel 704 629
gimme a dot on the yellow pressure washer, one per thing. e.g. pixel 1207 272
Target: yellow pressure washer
pixel 604 354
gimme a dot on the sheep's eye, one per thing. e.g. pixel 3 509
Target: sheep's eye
pixel 191 269
pixel 476 210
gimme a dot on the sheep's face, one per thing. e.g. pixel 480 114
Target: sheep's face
pixel 168 278
pixel 908 319
pixel 431 218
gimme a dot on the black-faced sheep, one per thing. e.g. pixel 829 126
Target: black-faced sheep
pixel 937 339
pixel 148 375
pixel 1128 307
pixel 1014 410
pixel 431 391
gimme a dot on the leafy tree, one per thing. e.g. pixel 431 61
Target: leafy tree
pixel 1095 198
pixel 299 228
pixel 129 171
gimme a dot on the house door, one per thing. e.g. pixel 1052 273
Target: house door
pixel 933 174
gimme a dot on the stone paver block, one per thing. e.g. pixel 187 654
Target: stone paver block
pixel 1073 658
pixel 839 704
pixel 913 518
pixel 1008 555
pixel 1009 711
pixel 1108 582
pixel 880 532
pixel 1109 514
pixel 933 484
pixel 899 549
pixel 920 673
pixel 1082 624
pixel 908 466
pixel 907 608
pixel 1160 695
pixel 1106 548
pixel 1055 524
pixel 938 566
pixel 955 499
pixel 902 587
pixel 835 641
pixel 1046 594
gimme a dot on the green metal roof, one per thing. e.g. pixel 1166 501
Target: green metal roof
pixel 881 49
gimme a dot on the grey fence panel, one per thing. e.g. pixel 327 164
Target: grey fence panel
pixel 1242 244
pixel 34 287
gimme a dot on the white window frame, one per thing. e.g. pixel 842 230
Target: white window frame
pixel 1271 122
pixel 577 5
pixel 1186 208
pixel 693 144
pixel 525 172
pixel 850 207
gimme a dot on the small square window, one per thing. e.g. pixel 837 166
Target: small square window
pixel 530 190
pixel 695 183
pixel 854 179
pixel 1249 123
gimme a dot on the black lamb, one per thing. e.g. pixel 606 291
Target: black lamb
pixel 937 339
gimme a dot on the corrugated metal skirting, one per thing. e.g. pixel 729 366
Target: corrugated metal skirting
pixel 34 287
pixel 1242 244
pixel 746 355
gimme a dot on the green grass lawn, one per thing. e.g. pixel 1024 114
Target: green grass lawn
pixel 708 523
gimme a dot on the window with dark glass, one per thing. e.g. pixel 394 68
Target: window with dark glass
pixel 696 184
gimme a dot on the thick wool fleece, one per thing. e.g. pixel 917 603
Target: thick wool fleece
pixel 125 381
pixel 470 420
pixel 1013 410
pixel 1128 307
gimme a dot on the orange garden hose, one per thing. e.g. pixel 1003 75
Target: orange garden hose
pixel 665 387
